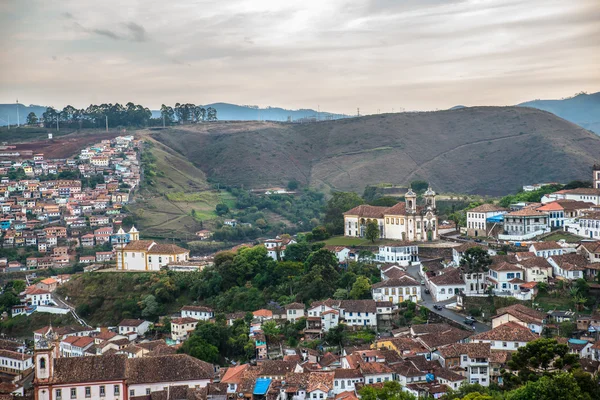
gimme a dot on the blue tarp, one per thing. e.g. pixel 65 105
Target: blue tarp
pixel 262 386
pixel 578 341
pixel 495 219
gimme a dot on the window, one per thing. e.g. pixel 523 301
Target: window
pixel 88 391
pixel 148 390
pixel 320 395
pixel 43 363
pixel 117 390
pixel 73 393
pixel 58 394
pixel 504 344
pixel 102 391
pixel 131 392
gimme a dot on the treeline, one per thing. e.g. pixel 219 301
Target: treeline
pixel 118 115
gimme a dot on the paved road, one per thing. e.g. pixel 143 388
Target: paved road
pixel 62 303
pixel 454 316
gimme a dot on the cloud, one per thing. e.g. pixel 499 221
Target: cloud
pixel 107 33
pixel 137 32
pixel 416 54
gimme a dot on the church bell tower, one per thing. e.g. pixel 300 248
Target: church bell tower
pixel 411 201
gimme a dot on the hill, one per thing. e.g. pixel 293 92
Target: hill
pixel 234 112
pixel 483 150
pixel 582 109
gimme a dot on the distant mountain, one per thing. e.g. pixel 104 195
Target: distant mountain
pixel 582 109
pixel 9 112
pixel 234 112
pixel 225 112
pixel 457 107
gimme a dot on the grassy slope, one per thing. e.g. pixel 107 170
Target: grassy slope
pixel 164 209
pixel 489 150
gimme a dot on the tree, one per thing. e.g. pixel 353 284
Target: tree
pixel 339 203
pixel 292 185
pixel 150 307
pixel 361 289
pixel 222 209
pixel 167 114
pixel 372 233
pixel 297 252
pixel 340 294
pixel 419 186
pixel 558 386
pixel 319 233
pixel 211 114
pixel 199 348
pixel 537 357
pixel 475 261
pixel 271 330
pixel 391 390
pixel 32 119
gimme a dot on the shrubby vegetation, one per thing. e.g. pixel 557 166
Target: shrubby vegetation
pixel 239 281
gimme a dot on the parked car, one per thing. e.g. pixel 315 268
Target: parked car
pixel 427 291
pixel 468 321
pixel 471 318
pixel 422 282
pixel 438 307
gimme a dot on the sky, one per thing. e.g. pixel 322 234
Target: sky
pixel 339 55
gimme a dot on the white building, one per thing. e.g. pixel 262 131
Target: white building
pixel 294 311
pixel 75 346
pixel 473 358
pixel 448 284
pixel 137 326
pixel 587 226
pixel 546 249
pixel 401 253
pixel 397 290
pixel 477 219
pixel 568 266
pixel 507 337
pixel 459 251
pixel 506 278
pixel 14 363
pixel 197 312
pixel 182 327
pixel 524 223
pixel 147 255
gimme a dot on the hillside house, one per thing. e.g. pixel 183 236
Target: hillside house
pixel 401 253
pixel 447 284
pixel 522 315
pixel 397 290
pixel 546 249
pixel 568 266
pixel 506 337
pixel 481 220
pixel 197 312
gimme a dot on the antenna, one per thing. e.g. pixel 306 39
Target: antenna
pixel 358 112
pixel 18 113
pixel 106 123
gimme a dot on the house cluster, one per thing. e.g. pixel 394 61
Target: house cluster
pixel 44 212
pixel 516 274
pixel 38 297
pixel 573 210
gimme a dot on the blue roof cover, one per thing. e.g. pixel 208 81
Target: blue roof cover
pixel 262 386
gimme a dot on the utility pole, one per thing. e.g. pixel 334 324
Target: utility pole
pixel 358 112
pixel 163 120
pixel 106 116
pixel 18 124
pixel 57 123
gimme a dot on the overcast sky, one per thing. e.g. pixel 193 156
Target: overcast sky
pixel 339 54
